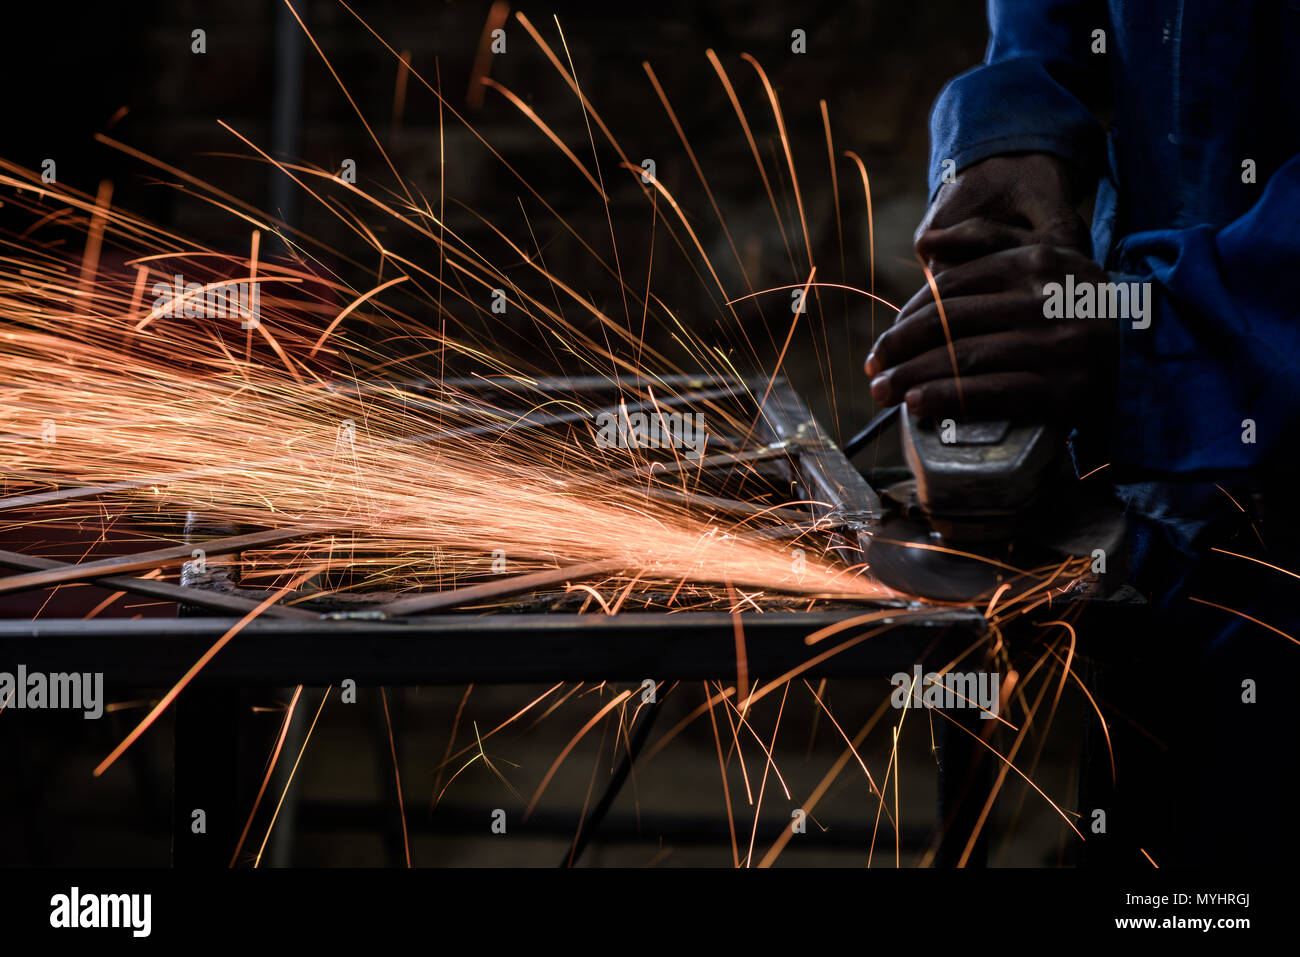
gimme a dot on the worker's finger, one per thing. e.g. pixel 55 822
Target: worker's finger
pixel 923 329
pixel 999 395
pixel 1025 268
pixel 969 357
pixel 992 273
pixel 943 249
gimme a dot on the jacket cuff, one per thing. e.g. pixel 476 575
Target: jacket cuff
pixel 1012 106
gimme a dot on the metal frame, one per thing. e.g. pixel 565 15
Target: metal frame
pixel 392 644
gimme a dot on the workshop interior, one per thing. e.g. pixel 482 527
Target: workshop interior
pixel 686 435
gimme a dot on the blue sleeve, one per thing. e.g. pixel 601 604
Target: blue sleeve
pixel 1223 345
pixel 1034 92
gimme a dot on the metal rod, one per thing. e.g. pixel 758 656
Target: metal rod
pixel 557 418
pixel 829 476
pixel 453 649
pixel 728 506
pixel 504 588
pixel 161 558
pixel 684 464
pixel 860 441
pixel 217 601
pixel 551 385
pixel 64 494
pixel 612 790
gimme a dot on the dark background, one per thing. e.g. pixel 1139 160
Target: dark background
pixel 70 69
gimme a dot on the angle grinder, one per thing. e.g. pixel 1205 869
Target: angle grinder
pixel 988 502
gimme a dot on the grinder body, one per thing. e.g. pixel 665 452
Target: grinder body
pixel 976 481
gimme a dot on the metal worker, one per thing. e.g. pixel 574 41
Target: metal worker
pixel 1182 120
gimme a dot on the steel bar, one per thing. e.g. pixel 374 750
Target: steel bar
pixel 613 788
pixel 552 385
pixel 217 601
pixel 558 418
pixel 822 466
pixel 681 464
pixel 64 494
pixel 729 506
pixel 497 648
pixel 602 384
pixel 859 442
pixel 502 588
pixel 160 558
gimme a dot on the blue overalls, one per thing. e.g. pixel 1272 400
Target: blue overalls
pixel 1198 192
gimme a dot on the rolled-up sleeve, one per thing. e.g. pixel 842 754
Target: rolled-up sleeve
pixel 1035 91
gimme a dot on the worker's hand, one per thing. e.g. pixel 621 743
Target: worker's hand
pixel 1011 361
pixel 1000 203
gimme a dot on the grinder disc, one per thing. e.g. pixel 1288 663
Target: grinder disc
pixel 904 555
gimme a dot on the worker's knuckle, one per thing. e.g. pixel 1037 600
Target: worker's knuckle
pixel 1064 226
pixel 1071 260
pixel 1041 259
pixel 971 355
pixel 884 349
pixel 926 397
